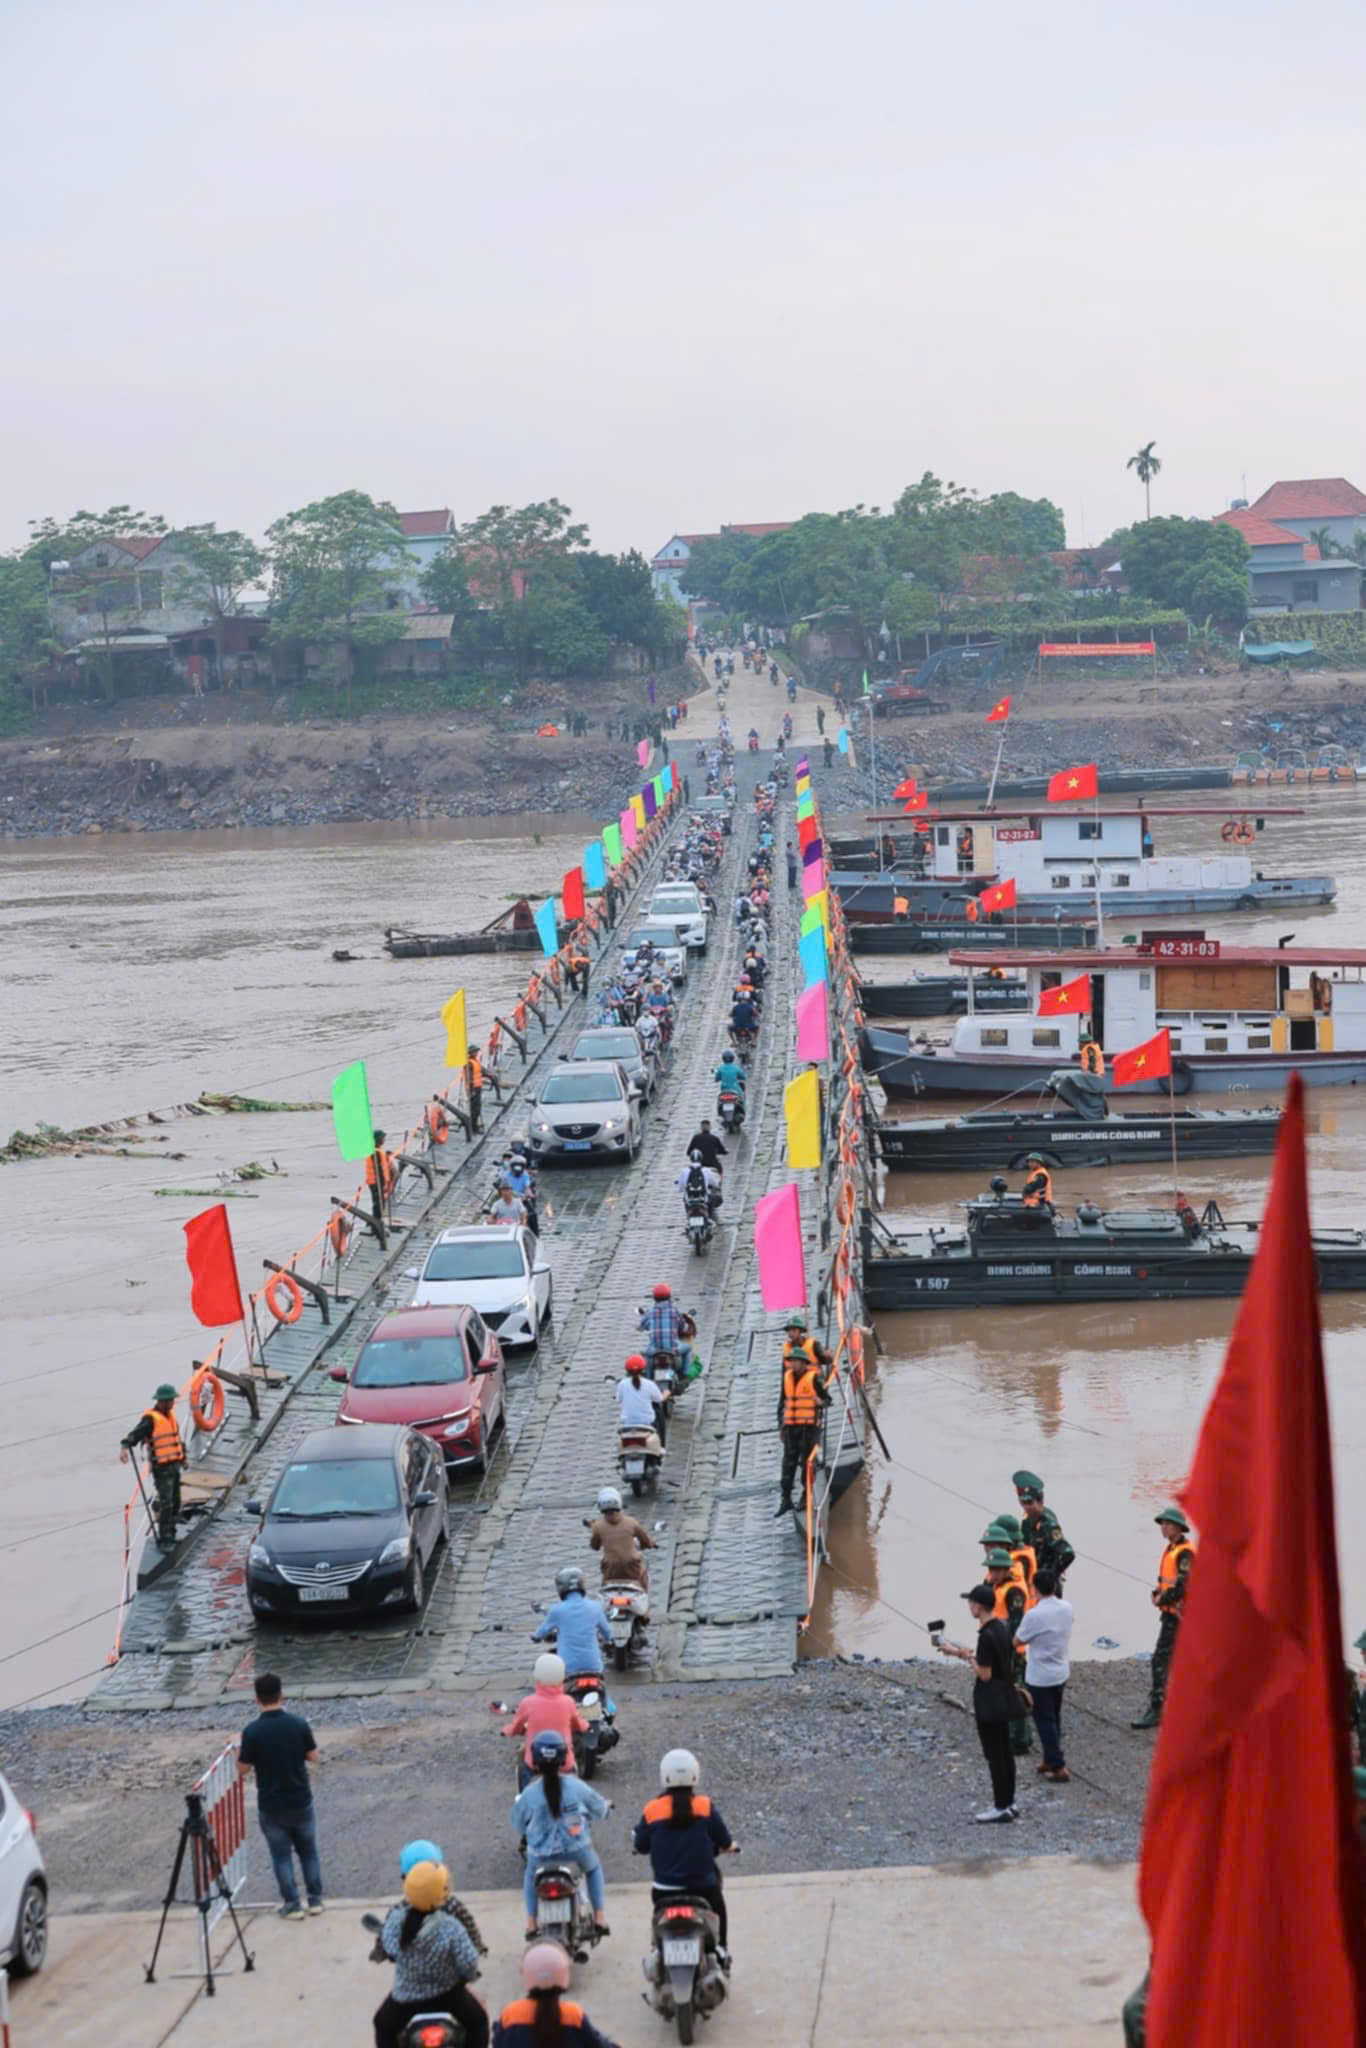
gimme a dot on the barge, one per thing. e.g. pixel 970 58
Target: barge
pixel 1001 1139
pixel 512 931
pixel 942 995
pixel 938 936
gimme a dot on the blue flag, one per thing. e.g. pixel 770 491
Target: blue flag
pixel 547 928
pixel 844 739
pixel 811 952
pixel 594 866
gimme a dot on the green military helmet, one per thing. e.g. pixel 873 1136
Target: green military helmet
pixel 1174 1515
pixel 165 1392
pixel 1035 1159
pixel 999 1560
pixel 994 1536
pixel 1011 1525
pixel 795 1323
pixel 1027 1483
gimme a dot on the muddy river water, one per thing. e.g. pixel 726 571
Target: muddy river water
pixel 139 971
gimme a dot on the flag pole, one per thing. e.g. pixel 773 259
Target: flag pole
pixel 996 765
pixel 1100 914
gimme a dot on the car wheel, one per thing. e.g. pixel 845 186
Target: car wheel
pixel 30 1931
pixel 412 1603
pixel 548 1315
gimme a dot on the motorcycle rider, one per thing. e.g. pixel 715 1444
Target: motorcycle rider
pixel 699 1182
pixel 548 1706
pixel 543 2019
pixel 729 1075
pixel 705 1141
pixel 622 1541
pixel 670 1327
pixel 516 1178
pixel 434 1960
pixel 744 1018
pixel 555 1813
pixel 578 1624
pixel 641 1402
pixel 424 1851
pixel 681 1832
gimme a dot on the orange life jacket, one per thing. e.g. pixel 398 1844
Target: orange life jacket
pixel 166 1446
pixel 1024 1557
pixel 1167 1571
pixel 1092 1058
pixel 1016 1578
pixel 662 1808
pixel 800 1406
pixel 1043 1194
pixel 386 1167
pixel 476 1071
pixel 522 2013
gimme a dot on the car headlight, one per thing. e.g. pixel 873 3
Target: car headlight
pixel 543 1129
pixel 456 1425
pixel 259 1556
pixel 396 1552
pixel 612 1123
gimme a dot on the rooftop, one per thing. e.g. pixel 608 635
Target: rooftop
pixel 418 525
pixel 1257 530
pixel 1312 497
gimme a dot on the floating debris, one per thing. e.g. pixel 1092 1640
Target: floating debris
pixel 229 1182
pixel 245 1105
pixel 218 1194
pixel 49 1141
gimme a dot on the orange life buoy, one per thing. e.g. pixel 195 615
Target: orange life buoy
pixel 438 1123
pixel 844 1201
pixel 285 1283
pixel 1228 829
pixel 339 1234
pixel 1243 834
pixel 207 1382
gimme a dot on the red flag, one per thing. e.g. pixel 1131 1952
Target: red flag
pixel 1150 1061
pixel 1001 896
pixel 999 712
pixel 807 830
pixel 571 893
pixel 215 1295
pixel 1072 996
pixel 1252 1878
pixel 906 788
pixel 1072 782
pixel 918 801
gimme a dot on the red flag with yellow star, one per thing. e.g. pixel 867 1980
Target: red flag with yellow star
pixel 918 800
pixel 906 788
pixel 1073 782
pixel 1150 1061
pixel 1000 897
pixel 1070 997
pixel 999 713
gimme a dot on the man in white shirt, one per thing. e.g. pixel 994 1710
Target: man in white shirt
pixel 1046 1632
pixel 641 1402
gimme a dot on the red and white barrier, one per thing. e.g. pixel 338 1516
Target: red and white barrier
pixel 225 1809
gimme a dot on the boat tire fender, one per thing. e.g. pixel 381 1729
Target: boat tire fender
pixel 1247 902
pixel 1182 1079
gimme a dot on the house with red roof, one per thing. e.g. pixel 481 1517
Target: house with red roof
pixel 425 536
pixel 1313 506
pixel 1287 572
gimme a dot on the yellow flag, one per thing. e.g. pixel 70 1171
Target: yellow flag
pixel 638 806
pixel 821 901
pixel 802 1108
pixel 457 1036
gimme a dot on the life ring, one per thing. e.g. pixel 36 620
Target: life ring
pixel 1181 1079
pixel 844 1201
pixel 1243 834
pixel 206 1382
pixel 339 1235
pixel 1228 830
pixel 294 1296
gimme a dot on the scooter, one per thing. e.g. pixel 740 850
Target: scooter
pixel 684 1974
pixel 639 1456
pixel 563 1912
pixel 590 1696
pixel 730 1107
pixel 699 1225
pixel 424 2029
pixel 628 1617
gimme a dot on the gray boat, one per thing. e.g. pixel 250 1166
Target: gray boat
pixel 1002 1139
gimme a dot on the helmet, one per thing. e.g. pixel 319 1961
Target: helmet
pixel 420 1851
pixel 663 1291
pixel 795 1323
pixel 545 1967
pixel 678 1767
pixel 570 1580
pixel 549 1747
pixel 609 1500
pixel 548 1670
pixel 636 1362
pixel 696 1158
pixel 165 1392
pixel 427 1886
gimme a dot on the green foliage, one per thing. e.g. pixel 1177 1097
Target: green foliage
pixel 214 567
pixel 26 642
pixel 1337 636
pixel 1145 466
pixel 711 562
pixel 446 584
pixel 337 565
pixel 58 540
pixel 1198 564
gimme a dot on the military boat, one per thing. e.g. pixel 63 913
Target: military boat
pixel 942 995
pixel 938 935
pixel 1003 1138
pixel 1006 1254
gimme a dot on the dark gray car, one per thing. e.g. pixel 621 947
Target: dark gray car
pixel 620 1042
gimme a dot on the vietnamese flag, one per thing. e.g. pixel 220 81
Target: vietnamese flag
pixel 918 801
pixel 906 788
pixel 1251 1878
pixel 1150 1061
pixel 1072 997
pixel 572 894
pixel 1073 782
pixel 999 712
pixel 1001 896
pixel 215 1295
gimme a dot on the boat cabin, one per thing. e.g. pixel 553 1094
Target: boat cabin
pixel 1212 998
pixel 1053 852
pixel 1001 1218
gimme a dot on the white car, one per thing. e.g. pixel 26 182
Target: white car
pixel 663 937
pixel 496 1268
pixel 23 1889
pixel 682 903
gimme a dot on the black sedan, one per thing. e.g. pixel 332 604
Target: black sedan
pixel 354 1521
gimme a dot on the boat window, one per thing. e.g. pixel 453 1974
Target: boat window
pixel 1258 1041
pixel 941 836
pixel 1087 882
pixel 1121 878
pixel 1045 1037
pixel 1145 977
pixel 1090 828
pixel 1062 881
pixel 994 1035
pixel 1216 1045
pixel 1174 1041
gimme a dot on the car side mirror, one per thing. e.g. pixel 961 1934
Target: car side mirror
pixel 254 1507
pixel 541 1266
pixel 486 1365
pixel 425 1499
pixel 340 1374
pixel 412 1272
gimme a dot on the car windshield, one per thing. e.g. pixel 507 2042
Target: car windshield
pixel 686 899
pixel 500 1260
pixel 654 938
pixel 582 1088
pixel 338 1486
pixel 607 1045
pixel 411 1362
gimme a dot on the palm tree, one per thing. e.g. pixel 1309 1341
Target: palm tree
pixel 1146 465
pixel 1322 539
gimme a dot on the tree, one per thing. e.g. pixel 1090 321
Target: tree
pixel 619 593
pixel 1321 538
pixel 505 549
pixel 445 583
pixel 336 568
pixel 1190 563
pixel 1145 466
pixel 26 642
pixel 711 561
pixel 935 532
pixel 1024 528
pixel 212 569
pixel 109 590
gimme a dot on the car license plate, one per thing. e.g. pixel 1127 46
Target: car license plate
pixel 556 1909
pixel 323 1592
pixel 578 1144
pixel 689 1951
pixel 634 1467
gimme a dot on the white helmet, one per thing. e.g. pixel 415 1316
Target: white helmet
pixel 548 1670
pixel 679 1767
pixel 609 1500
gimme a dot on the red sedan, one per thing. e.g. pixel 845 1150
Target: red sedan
pixel 439 1370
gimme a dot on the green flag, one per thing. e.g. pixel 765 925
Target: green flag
pixel 812 921
pixel 351 1116
pixel 611 841
pixel 806 806
pixel 867 687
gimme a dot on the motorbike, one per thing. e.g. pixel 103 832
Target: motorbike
pixel 684 1975
pixel 743 1041
pixel 699 1224
pixel 563 1912
pixel 639 1456
pixel 730 1107
pixel 791 691
pixel 754 743
pixel 628 1617
pixel 424 2029
pixel 589 1695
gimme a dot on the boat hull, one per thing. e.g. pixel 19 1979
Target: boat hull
pixel 1139 903
pixel 955 933
pixel 925 1072
pixel 438 945
pixel 1000 1141
pixel 940 995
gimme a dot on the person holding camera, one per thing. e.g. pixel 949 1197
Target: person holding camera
pixel 996 1700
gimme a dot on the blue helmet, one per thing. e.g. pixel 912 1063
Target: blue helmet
pixel 417 1852
pixel 549 1747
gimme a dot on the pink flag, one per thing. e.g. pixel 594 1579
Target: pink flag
pixel 813 1023
pixel 643 752
pixel 813 879
pixel 778 1246
pixel 630 831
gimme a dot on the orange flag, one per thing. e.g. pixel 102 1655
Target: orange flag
pixel 1074 782
pixel 1001 896
pixel 999 712
pixel 1147 1062
pixel 1073 996
pixel 1251 1878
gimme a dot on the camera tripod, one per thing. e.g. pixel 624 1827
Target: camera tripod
pixel 209 1884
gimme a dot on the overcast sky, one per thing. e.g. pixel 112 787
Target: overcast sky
pixel 677 261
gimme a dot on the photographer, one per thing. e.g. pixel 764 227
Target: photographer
pixel 996 1701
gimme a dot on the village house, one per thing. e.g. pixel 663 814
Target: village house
pixel 1288 573
pixel 668 568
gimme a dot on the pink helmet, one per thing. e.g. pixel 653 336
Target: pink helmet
pixel 545 1967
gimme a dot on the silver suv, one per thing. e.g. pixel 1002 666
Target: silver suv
pixel 585 1107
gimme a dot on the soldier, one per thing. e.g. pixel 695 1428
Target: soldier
pixel 801 1398
pixel 1167 1596
pixel 799 1344
pixel 157 1428
pixel 1006 1574
pixel 1040 1527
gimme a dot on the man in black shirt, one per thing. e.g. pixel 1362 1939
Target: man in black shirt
pixel 994 1698
pixel 708 1144
pixel 279 1747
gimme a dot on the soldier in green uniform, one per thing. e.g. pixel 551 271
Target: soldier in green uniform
pixel 156 1427
pixel 1001 1573
pixel 1041 1527
pixel 1172 1578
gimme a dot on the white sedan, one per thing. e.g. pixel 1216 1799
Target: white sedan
pixel 496 1268
pixel 23 1889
